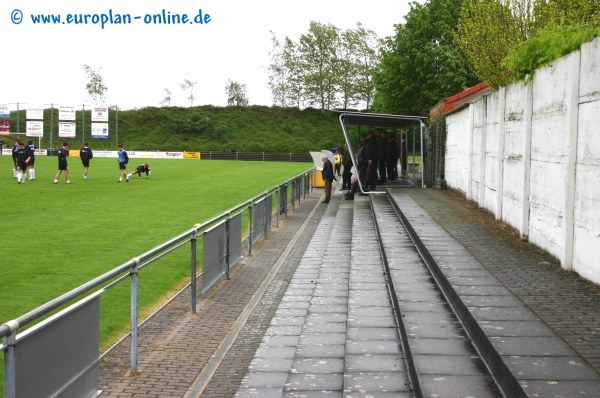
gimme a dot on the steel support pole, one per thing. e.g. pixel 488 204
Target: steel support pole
pixel 9 361
pixel 18 119
pixel 134 316
pixel 227 246
pixel 193 271
pixel 83 123
pixel 266 216
pixel 277 200
pixel 293 195
pixel 51 124
pixel 117 123
pixel 250 229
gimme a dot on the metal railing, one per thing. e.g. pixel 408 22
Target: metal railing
pixel 300 185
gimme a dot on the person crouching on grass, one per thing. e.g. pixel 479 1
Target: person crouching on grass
pixel 142 168
pixel 123 160
pixel 62 163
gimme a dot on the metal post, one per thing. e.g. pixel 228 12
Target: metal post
pixel 290 156
pixel 277 199
pixel 9 361
pixel 263 156
pixel 193 272
pixel 422 154
pixel 227 247
pixel 250 229
pixel 293 195
pixel 18 118
pixel 117 137
pixel 134 316
pixel 210 155
pixel 83 123
pixel 51 124
pixel 266 216
pixel 415 158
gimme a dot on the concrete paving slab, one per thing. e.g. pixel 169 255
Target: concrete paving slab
pixel 322 338
pixel 525 328
pixel 314 382
pixel 372 333
pixel 259 392
pixel 321 351
pixel 519 313
pixel 551 368
pixel 270 364
pixel 374 363
pixel 372 347
pixel 318 365
pixel 531 346
pixel 428 346
pixel 457 365
pixel 375 382
pixel 459 386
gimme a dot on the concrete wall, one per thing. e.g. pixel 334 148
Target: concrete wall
pixel 540 169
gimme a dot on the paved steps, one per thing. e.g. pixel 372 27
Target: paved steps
pixel 525 355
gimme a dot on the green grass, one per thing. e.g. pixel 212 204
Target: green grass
pixel 56 237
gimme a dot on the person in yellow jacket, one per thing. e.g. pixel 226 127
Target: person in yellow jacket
pixel 338 162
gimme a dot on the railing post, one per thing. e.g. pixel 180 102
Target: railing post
pixel 9 360
pixel 293 195
pixel 134 316
pixel 250 229
pixel 277 199
pixel 290 156
pixel 210 155
pixel 193 272
pixel 266 216
pixel 227 246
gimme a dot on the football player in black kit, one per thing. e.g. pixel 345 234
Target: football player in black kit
pixel 85 154
pixel 62 163
pixel 15 148
pixel 142 168
pixel 22 160
pixel 31 148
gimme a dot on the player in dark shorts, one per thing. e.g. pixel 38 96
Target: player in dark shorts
pixel 62 163
pixel 85 154
pixel 31 148
pixel 123 160
pixel 142 168
pixel 22 160
pixel 15 148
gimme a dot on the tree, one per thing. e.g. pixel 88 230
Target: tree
pixel 236 94
pixel 166 98
pixel 320 64
pixel 367 63
pixel 421 64
pixel 295 73
pixel 95 86
pixel 489 31
pixel 486 32
pixel 347 67
pixel 188 86
pixel 278 73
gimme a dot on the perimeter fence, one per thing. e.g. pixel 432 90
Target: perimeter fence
pixel 59 357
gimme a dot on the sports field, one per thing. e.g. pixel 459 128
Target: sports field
pixel 58 236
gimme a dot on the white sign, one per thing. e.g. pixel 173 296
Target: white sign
pixel 105 154
pixel 35 129
pixel 99 130
pixel 100 113
pixel 66 112
pixel 4 111
pixel 35 112
pixel 66 129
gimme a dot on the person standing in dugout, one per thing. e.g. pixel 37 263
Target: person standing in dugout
pixel 62 163
pixel 23 159
pixel 31 148
pixel 123 160
pixel 86 155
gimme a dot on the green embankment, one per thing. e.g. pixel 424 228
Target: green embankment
pixel 204 128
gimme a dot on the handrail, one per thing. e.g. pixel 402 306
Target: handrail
pixel 11 326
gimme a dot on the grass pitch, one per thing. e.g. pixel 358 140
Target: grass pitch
pixel 57 236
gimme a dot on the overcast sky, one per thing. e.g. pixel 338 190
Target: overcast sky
pixel 42 63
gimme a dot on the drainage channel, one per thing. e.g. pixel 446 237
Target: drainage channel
pixel 441 357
